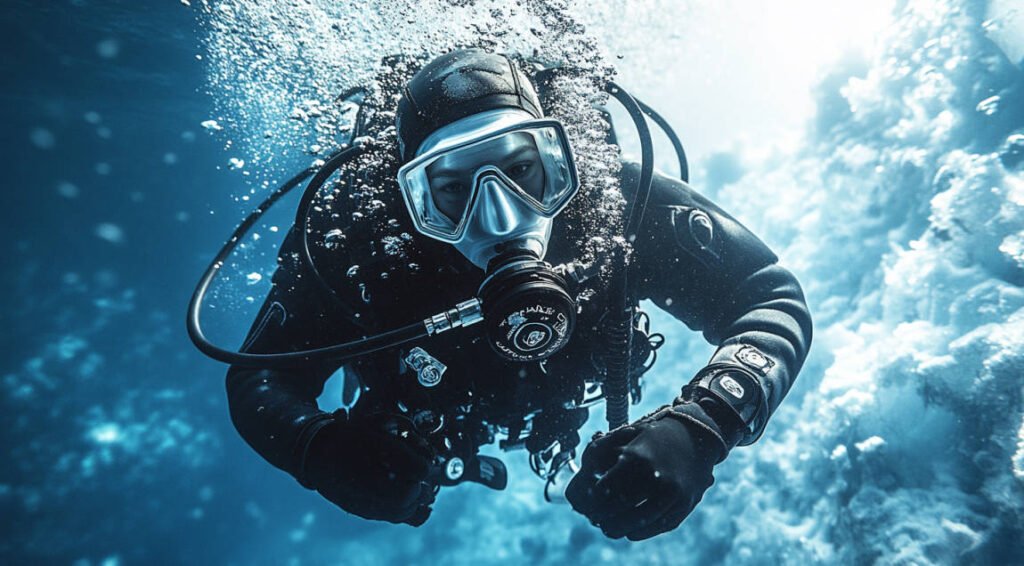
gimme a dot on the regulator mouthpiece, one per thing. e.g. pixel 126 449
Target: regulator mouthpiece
pixel 527 307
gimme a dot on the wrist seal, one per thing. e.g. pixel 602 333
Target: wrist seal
pixel 733 396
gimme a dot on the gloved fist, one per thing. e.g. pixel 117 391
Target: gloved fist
pixel 643 479
pixel 374 469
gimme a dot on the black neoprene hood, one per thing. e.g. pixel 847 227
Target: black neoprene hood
pixel 456 85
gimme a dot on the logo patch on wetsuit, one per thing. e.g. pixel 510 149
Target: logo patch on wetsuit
pixel 754 359
pixel 734 388
pixel 695 233
pixel 701 228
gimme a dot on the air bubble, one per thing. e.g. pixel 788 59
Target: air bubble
pixel 989 106
pixel 334 239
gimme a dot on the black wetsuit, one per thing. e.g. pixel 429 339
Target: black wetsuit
pixel 691 259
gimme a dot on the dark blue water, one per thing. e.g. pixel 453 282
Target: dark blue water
pixel 114 430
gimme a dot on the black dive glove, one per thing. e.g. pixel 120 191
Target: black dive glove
pixel 643 479
pixel 375 468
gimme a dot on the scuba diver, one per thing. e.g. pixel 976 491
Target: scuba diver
pixel 485 180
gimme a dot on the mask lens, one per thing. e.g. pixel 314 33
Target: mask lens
pixel 533 159
pixel 449 188
pixel 428 217
pixel 560 179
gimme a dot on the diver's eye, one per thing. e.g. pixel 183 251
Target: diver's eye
pixel 451 189
pixel 520 169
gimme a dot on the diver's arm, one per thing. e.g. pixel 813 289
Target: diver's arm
pixel 706 269
pixel 275 410
pixel 357 464
pixel 702 266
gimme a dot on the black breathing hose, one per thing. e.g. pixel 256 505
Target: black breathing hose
pixel 337 352
pixel 684 167
pixel 619 329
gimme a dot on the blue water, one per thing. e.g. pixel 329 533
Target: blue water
pixel 115 432
pixel 900 206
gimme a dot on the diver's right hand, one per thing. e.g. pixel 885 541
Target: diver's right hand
pixel 372 469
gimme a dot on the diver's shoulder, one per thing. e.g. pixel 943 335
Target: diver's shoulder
pixel 665 189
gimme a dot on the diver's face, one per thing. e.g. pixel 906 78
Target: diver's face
pixel 452 176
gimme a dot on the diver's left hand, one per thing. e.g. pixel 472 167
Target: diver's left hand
pixel 643 479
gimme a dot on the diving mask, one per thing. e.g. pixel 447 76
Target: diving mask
pixel 491 182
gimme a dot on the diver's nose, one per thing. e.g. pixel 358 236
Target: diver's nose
pixel 497 207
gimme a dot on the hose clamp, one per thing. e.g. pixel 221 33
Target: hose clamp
pixel 465 313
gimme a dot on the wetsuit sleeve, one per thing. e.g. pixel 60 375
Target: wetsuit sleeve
pixel 275 410
pixel 701 265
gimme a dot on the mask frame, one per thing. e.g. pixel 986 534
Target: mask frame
pixel 416 193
